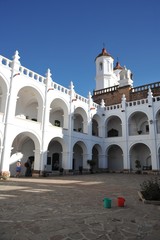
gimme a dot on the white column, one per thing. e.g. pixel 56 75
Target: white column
pixel 37 156
pixel 126 159
pixel 67 161
pixel 90 115
pixel 43 158
pixel 69 155
pixel 8 114
pixel 152 132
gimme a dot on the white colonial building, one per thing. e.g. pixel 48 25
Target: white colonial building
pixel 58 128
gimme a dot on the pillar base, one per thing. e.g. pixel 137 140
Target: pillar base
pixel 155 172
pixel 35 173
pixel 126 171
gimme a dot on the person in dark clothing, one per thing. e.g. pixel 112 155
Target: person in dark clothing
pixel 28 166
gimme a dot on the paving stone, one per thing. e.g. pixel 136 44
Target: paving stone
pixel 71 208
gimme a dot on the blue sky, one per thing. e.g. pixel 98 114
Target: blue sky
pixel 67 35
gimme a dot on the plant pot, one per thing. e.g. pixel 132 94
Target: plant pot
pixel 5 178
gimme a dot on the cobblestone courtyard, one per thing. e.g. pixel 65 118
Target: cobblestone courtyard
pixel 71 208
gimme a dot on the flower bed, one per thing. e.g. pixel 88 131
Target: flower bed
pixel 155 202
pixel 150 191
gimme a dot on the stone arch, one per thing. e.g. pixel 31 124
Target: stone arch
pixel 59 113
pixel 138 123
pixel 29 104
pixel 159 158
pixel 79 154
pixel 113 127
pixel 142 153
pixel 56 148
pixel 80 120
pixel 115 158
pixel 96 153
pixel 3 94
pixel 25 143
pixel 158 121
pixel 96 125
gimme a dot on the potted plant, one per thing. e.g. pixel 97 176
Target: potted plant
pixel 5 175
pixel 91 163
pixel 138 166
pixel 150 191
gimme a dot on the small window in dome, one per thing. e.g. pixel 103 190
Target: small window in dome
pixel 101 66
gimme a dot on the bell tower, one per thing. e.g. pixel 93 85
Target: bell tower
pixel 105 76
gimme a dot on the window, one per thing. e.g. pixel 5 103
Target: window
pixel 147 128
pixel 101 66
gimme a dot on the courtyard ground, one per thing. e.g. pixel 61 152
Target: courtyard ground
pixel 72 208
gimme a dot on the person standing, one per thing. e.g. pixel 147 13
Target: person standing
pixel 28 165
pixel 18 168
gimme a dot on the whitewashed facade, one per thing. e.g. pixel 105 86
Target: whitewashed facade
pixel 61 129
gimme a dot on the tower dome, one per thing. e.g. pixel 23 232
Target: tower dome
pixel 105 76
pixel 103 53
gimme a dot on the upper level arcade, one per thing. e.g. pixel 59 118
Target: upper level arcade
pixel 37 100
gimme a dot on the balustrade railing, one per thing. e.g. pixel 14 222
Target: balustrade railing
pixel 145 87
pixel 105 90
pixel 35 76
pixel 26 72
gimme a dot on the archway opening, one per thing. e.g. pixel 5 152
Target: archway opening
pixel 115 158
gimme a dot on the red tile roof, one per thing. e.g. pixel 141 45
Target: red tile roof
pixel 118 66
pixel 104 53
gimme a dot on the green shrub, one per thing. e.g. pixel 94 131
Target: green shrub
pixel 151 189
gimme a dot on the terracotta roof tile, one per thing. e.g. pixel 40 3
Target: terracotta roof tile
pixel 104 53
pixel 118 66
